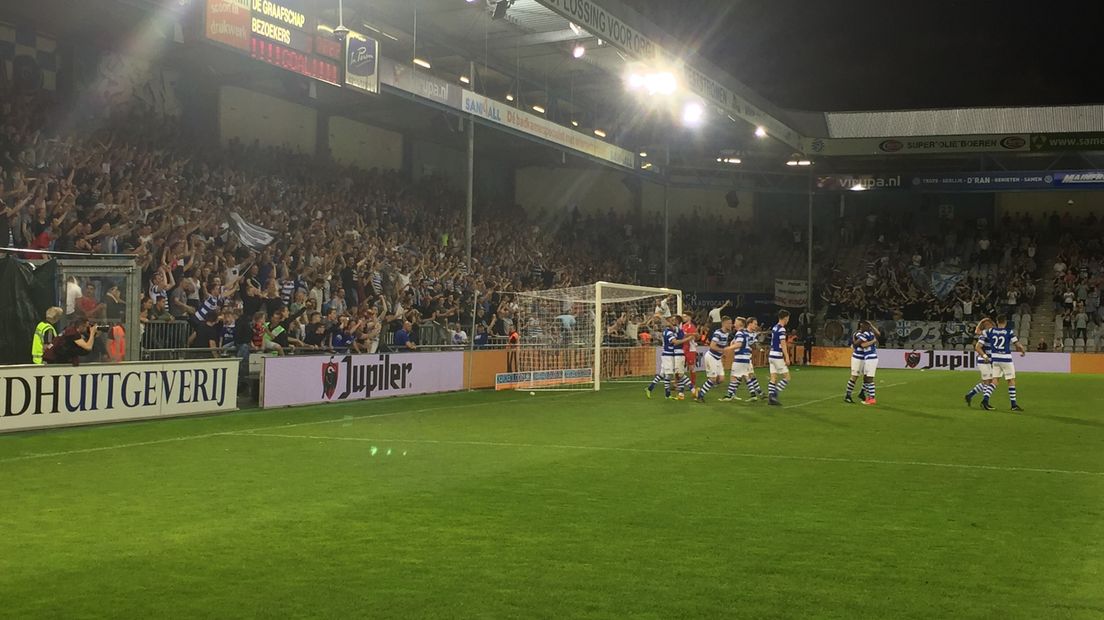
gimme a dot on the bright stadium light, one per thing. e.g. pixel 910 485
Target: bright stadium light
pixel 804 162
pixel 652 83
pixel 578 52
pixel 643 153
pixel 663 83
pixel 760 132
pixel 693 114
pixel 422 63
pixel 509 96
pixel 792 162
pixel 575 28
pixel 464 79
pixel 600 133
pixel 574 123
pixel 538 109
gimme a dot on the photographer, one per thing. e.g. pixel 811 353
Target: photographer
pixel 76 341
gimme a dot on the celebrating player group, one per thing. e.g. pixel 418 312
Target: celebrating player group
pixel 734 335
pixel 995 342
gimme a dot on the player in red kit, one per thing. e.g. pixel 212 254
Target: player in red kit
pixel 689 348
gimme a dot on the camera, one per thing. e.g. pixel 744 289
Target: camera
pixel 341 33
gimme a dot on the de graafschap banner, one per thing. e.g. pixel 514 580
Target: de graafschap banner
pixel 63 395
pixel 303 380
pixel 915 359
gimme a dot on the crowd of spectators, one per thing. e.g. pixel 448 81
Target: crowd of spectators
pixel 1078 277
pixel 938 270
pixel 358 259
pixel 364 260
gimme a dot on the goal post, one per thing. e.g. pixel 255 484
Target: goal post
pixel 575 338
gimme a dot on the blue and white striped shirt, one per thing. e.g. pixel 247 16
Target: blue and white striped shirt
pixel 670 349
pixel 858 351
pixel 742 354
pixel 1000 341
pixel 721 339
pixel 778 340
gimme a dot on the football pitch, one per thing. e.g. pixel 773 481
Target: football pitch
pixel 573 504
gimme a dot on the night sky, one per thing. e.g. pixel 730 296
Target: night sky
pixel 866 55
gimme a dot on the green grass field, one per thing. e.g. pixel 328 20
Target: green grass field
pixel 573 504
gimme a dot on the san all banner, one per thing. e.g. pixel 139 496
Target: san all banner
pixel 1084 141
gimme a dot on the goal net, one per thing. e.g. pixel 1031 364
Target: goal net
pixel 576 338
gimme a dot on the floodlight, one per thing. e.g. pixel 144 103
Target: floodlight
pixel 760 132
pixel 693 114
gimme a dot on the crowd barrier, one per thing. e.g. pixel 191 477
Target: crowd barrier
pixel 930 359
pixel 52 396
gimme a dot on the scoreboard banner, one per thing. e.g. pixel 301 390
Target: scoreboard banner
pixel 282 33
pixel 362 62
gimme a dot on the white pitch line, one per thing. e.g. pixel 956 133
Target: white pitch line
pixel 820 400
pixel 745 455
pixel 347 418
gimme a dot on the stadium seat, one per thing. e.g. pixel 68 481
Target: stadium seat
pixel 1067 344
pixel 1016 321
pixel 1091 346
pixel 1079 345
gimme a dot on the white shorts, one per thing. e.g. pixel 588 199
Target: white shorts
pixel 672 365
pixel 1004 369
pixel 713 367
pixel 742 369
pixel 778 366
pixel 869 367
pixel 856 367
pixel 986 371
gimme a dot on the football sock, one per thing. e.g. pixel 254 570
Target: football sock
pixel 869 390
pixel 772 389
pixel 733 386
pixel 753 387
pixel 1012 394
pixel 850 386
pixel 782 384
pixel 656 380
pixel 704 389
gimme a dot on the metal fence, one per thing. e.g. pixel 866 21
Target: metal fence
pixel 161 337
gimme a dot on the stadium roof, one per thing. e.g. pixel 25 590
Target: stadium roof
pixel 527 53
